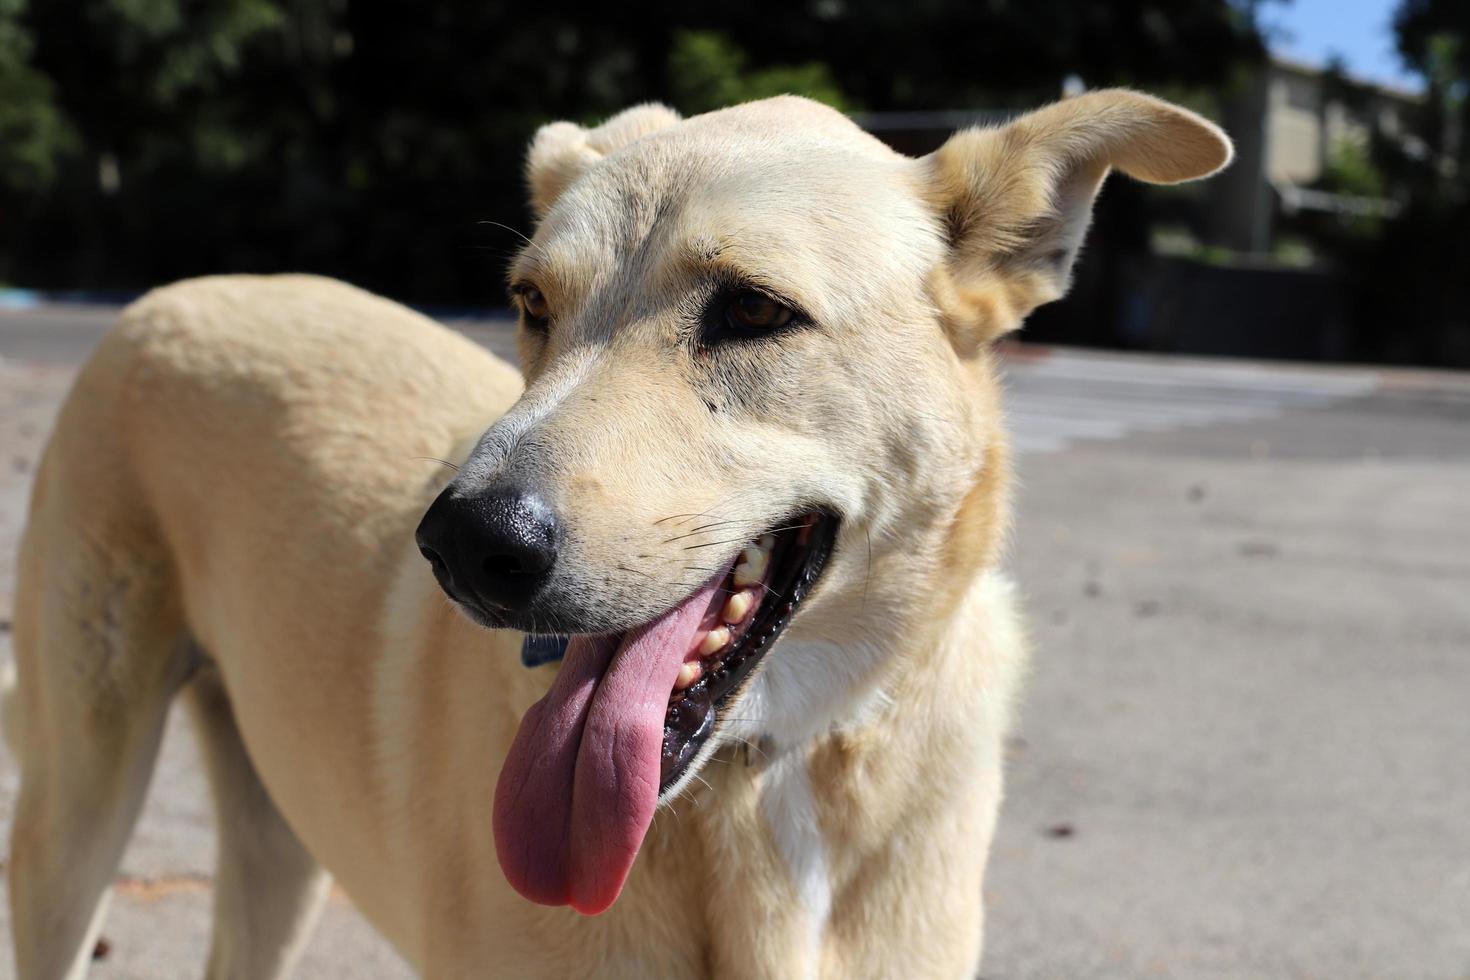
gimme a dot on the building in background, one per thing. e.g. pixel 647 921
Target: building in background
pixel 1290 123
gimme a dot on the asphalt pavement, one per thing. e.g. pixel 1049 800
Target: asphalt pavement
pixel 1243 751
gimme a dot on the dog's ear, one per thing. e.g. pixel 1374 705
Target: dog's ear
pixel 562 151
pixel 1016 199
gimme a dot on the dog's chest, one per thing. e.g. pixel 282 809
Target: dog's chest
pixel 766 880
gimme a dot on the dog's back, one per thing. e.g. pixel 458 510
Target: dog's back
pixel 263 391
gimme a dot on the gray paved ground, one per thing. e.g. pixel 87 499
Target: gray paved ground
pixel 1244 748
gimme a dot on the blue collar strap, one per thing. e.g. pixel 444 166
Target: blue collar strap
pixel 538 650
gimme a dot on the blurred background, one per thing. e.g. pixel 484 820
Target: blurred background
pixel 1242 749
pixel 146 140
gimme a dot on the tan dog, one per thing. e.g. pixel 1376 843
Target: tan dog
pixel 757 471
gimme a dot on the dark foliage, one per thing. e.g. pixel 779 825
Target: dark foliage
pixel 1411 280
pixel 144 140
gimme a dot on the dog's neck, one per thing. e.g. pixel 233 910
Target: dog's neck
pixel 852 818
pixel 841 668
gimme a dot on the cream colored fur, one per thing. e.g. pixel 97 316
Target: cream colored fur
pixel 227 506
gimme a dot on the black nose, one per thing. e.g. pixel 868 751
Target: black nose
pixel 497 547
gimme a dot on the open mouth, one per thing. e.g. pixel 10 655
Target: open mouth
pixel 750 610
pixel 627 715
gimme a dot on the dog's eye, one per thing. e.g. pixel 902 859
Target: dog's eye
pixel 533 301
pixel 757 311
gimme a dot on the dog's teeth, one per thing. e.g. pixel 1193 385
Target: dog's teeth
pixel 766 542
pixel 752 567
pixel 714 641
pixel 689 672
pixel 737 607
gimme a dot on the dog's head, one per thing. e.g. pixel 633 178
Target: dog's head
pixel 758 404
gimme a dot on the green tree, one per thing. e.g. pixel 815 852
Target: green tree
pixel 34 132
pixel 1412 297
pixel 1434 40
pixel 707 71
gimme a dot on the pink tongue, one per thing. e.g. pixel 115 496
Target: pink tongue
pixel 580 784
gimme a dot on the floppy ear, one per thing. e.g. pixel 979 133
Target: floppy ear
pixel 1016 199
pixel 562 151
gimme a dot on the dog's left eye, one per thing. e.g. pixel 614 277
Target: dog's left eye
pixel 536 306
pixel 751 310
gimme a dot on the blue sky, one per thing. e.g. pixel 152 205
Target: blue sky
pixel 1360 31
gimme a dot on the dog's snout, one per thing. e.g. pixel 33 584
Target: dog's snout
pixel 497 547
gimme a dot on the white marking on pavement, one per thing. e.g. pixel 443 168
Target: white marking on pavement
pixel 1066 396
